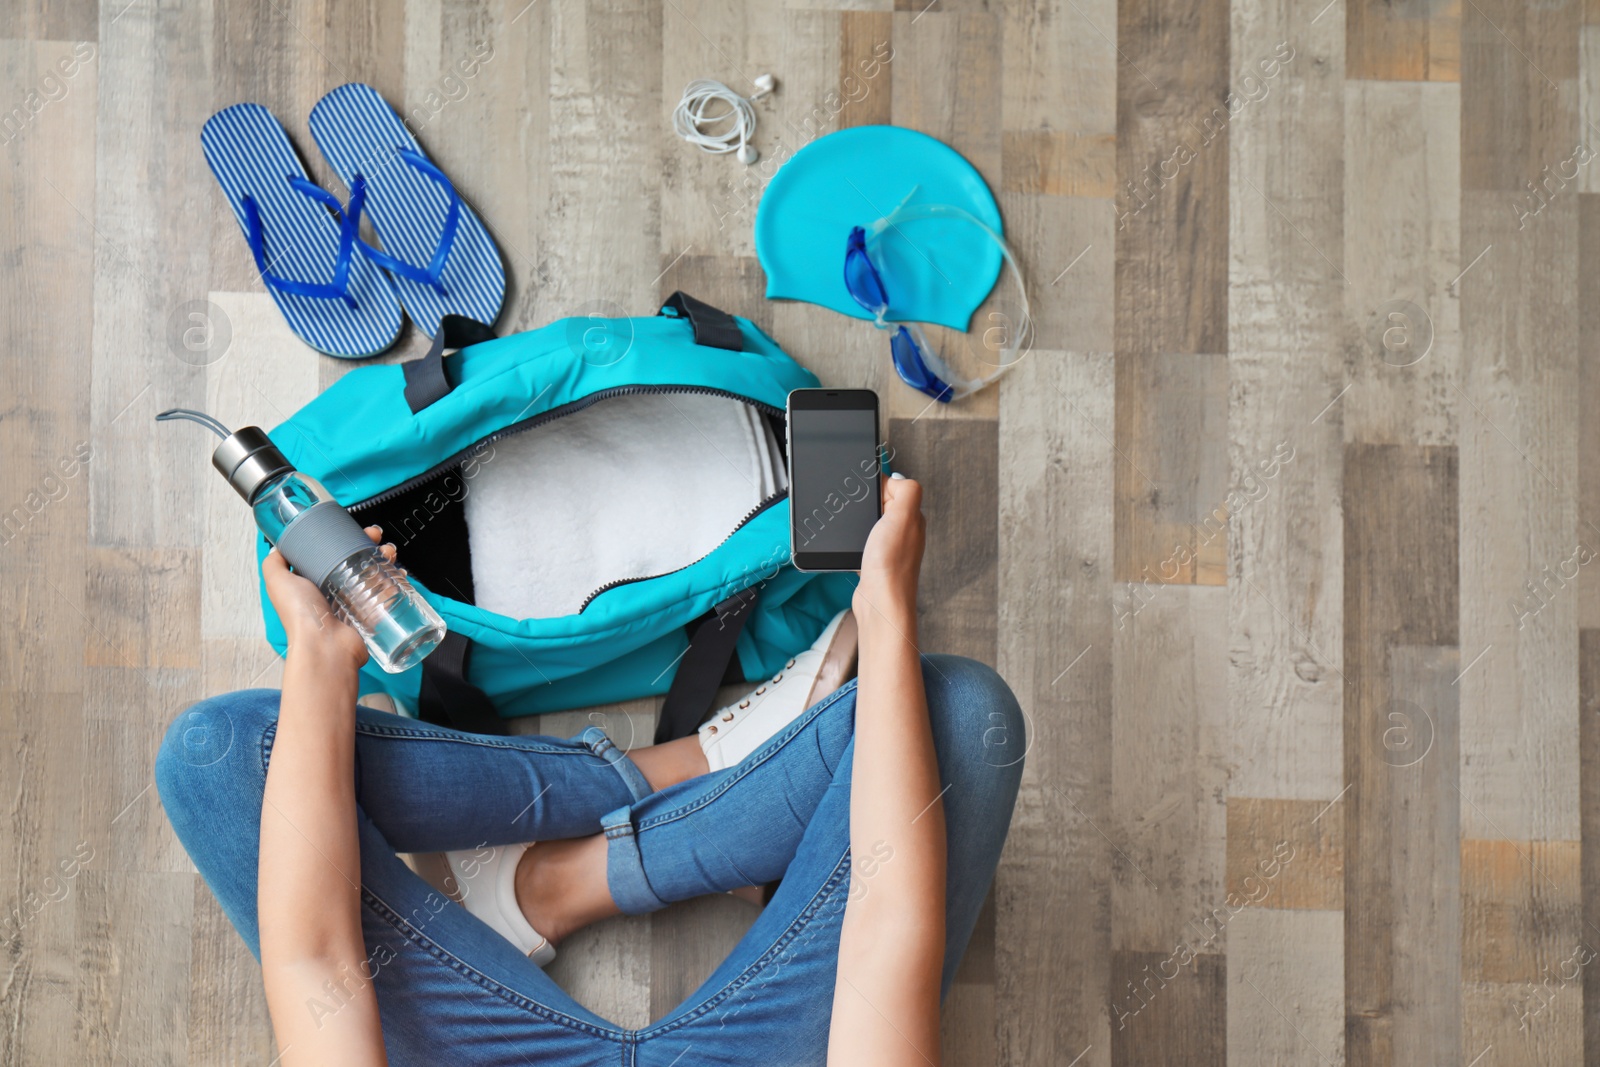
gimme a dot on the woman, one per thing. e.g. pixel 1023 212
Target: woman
pixel 293 806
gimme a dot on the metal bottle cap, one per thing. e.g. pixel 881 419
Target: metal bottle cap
pixel 248 458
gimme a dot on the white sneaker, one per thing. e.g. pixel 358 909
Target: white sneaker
pixel 744 726
pixel 486 885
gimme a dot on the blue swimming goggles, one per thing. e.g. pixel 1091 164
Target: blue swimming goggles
pixel 915 360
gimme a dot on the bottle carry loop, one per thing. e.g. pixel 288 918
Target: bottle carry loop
pixel 446 698
pixel 707 663
pixel 426 380
pixel 713 327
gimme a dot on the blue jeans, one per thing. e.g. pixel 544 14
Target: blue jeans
pixel 451 990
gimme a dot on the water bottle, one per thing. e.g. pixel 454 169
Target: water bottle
pixel 321 541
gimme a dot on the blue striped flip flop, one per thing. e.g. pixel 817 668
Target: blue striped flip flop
pixel 352 311
pixel 438 253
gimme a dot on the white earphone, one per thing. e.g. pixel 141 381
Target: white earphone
pixel 690 121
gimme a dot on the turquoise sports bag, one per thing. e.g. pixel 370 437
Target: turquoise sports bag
pixel 398 445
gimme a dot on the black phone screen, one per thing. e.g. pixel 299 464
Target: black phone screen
pixel 833 476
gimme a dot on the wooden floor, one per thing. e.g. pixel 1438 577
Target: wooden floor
pixel 1281 533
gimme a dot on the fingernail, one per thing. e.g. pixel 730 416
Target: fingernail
pixel 898 475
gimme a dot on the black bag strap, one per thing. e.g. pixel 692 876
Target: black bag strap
pixel 426 380
pixel 712 327
pixel 704 666
pixel 446 698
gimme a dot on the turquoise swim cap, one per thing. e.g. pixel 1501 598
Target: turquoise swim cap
pixel 938 270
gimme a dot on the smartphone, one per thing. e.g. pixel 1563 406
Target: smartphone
pixel 833 476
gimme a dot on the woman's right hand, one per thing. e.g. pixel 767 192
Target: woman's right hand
pixel 891 563
pixel 308 621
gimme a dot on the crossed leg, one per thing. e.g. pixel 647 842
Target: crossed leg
pixel 449 986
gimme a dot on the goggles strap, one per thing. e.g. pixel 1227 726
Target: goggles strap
pixel 960 386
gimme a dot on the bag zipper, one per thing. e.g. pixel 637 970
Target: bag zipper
pixel 780 495
pixel 550 416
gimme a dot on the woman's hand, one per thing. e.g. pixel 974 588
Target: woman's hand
pixel 308 620
pixel 892 561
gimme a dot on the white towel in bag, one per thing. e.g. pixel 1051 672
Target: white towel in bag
pixel 630 487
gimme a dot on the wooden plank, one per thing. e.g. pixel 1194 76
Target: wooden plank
pixel 602 235
pixel 1498 1025
pixel 1060 163
pixel 1414 40
pixel 228 1020
pixel 1524 950
pixel 357 43
pixel 1588 177
pixel 1518 130
pixel 1521 488
pixel 257 57
pixel 1286 560
pixel 689 941
pixel 133 951
pixel 1065 247
pixel 144 603
pixel 1424 866
pixel 630 724
pixel 46 269
pixel 1519 497
pixel 1169 1008
pixel 1285 994
pixel 1286 854
pixel 1588 532
pixel 967 1025
pixel 1172 237
pixel 608 969
pixel 1169 770
pixel 866 81
pixel 1282 116
pixel 1172 482
pixel 1053 892
pixel 150 264
pixel 1519 65
pixel 1059 83
pixel 1522 908
pixel 55 20
pixel 1589 849
pixel 956 460
pixel 1402 176
pixel 844 353
pixel 45 855
pixel 1401 606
